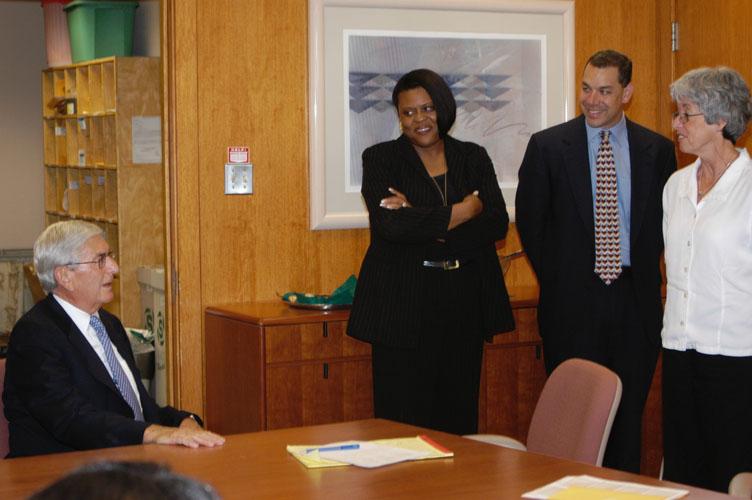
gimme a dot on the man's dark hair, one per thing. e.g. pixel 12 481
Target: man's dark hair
pixel 441 95
pixel 125 481
pixel 613 59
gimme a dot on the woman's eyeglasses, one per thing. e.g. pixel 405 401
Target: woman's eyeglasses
pixel 684 117
pixel 100 261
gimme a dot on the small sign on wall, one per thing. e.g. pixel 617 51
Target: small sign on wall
pixel 238 154
pixel 238 171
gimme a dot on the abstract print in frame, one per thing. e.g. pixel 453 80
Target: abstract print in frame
pixel 500 79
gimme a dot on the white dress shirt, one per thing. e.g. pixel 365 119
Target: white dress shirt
pixel 81 319
pixel 709 262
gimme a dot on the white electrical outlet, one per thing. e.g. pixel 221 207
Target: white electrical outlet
pixel 238 178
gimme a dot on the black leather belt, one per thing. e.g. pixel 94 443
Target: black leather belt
pixel 446 265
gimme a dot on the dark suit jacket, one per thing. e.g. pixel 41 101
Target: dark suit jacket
pixel 391 283
pixel 554 210
pixel 59 396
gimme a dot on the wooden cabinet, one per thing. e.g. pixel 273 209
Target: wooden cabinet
pixel 102 161
pixel 269 366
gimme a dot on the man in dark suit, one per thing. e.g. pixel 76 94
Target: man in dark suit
pixel 71 381
pixel 589 215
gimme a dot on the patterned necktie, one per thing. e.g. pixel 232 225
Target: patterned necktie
pixel 607 249
pixel 118 374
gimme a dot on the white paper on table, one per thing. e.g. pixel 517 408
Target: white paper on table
pixel 371 455
pixel 586 481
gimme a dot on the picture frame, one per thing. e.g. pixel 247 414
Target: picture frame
pixel 506 48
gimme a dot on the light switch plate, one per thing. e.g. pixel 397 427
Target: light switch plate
pixel 238 178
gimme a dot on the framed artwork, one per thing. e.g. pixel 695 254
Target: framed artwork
pixel 509 63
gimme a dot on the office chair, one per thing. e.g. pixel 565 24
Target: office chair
pixel 4 447
pixel 573 416
pixel 37 292
pixel 741 485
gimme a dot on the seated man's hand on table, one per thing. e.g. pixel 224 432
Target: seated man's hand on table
pixel 189 434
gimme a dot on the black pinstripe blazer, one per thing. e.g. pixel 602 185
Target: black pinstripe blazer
pixel 391 280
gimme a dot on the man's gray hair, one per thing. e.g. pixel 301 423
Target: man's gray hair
pixel 59 245
pixel 721 94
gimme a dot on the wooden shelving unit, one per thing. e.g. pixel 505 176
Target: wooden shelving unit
pixel 89 169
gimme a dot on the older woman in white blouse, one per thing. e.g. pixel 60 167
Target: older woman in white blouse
pixel 707 324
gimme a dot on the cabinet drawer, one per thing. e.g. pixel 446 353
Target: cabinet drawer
pixel 318 393
pixel 311 341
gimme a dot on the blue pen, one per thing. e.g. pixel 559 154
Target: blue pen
pixel 335 448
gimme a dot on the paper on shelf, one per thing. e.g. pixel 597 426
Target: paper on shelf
pixel 146 139
pixel 593 488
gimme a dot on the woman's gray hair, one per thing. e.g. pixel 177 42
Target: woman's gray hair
pixel 59 245
pixel 721 94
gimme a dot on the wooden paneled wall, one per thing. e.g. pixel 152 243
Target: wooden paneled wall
pixel 642 30
pixel 236 75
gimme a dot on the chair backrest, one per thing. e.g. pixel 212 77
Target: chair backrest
pixel 741 485
pixel 37 292
pixel 4 447
pixel 575 411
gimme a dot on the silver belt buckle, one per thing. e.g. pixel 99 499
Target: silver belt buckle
pixel 450 265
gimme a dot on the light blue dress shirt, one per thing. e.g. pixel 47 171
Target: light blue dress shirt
pixel 620 147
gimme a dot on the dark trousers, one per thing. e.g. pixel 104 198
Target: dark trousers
pixel 437 390
pixel 612 334
pixel 436 383
pixel 707 418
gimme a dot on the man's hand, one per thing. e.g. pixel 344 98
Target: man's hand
pixel 189 434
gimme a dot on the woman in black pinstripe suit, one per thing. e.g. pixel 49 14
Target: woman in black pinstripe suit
pixel 430 288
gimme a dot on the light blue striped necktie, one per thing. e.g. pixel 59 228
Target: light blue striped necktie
pixel 118 374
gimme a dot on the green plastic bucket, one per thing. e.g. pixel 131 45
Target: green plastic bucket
pixel 100 29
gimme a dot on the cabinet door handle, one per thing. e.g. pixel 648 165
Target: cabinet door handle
pixel 537 352
pixel 326 370
pixel 326 330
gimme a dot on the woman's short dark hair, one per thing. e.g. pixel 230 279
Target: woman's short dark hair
pixel 441 95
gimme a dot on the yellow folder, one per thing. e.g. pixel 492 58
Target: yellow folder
pixel 312 460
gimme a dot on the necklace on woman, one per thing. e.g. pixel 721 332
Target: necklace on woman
pixel 703 192
pixel 443 194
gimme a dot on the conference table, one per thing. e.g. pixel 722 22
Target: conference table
pixel 257 465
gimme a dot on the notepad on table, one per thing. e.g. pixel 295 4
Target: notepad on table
pixel 593 488
pixel 368 453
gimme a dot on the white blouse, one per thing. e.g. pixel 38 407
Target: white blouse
pixel 709 262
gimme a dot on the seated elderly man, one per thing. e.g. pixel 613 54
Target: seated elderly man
pixel 71 381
